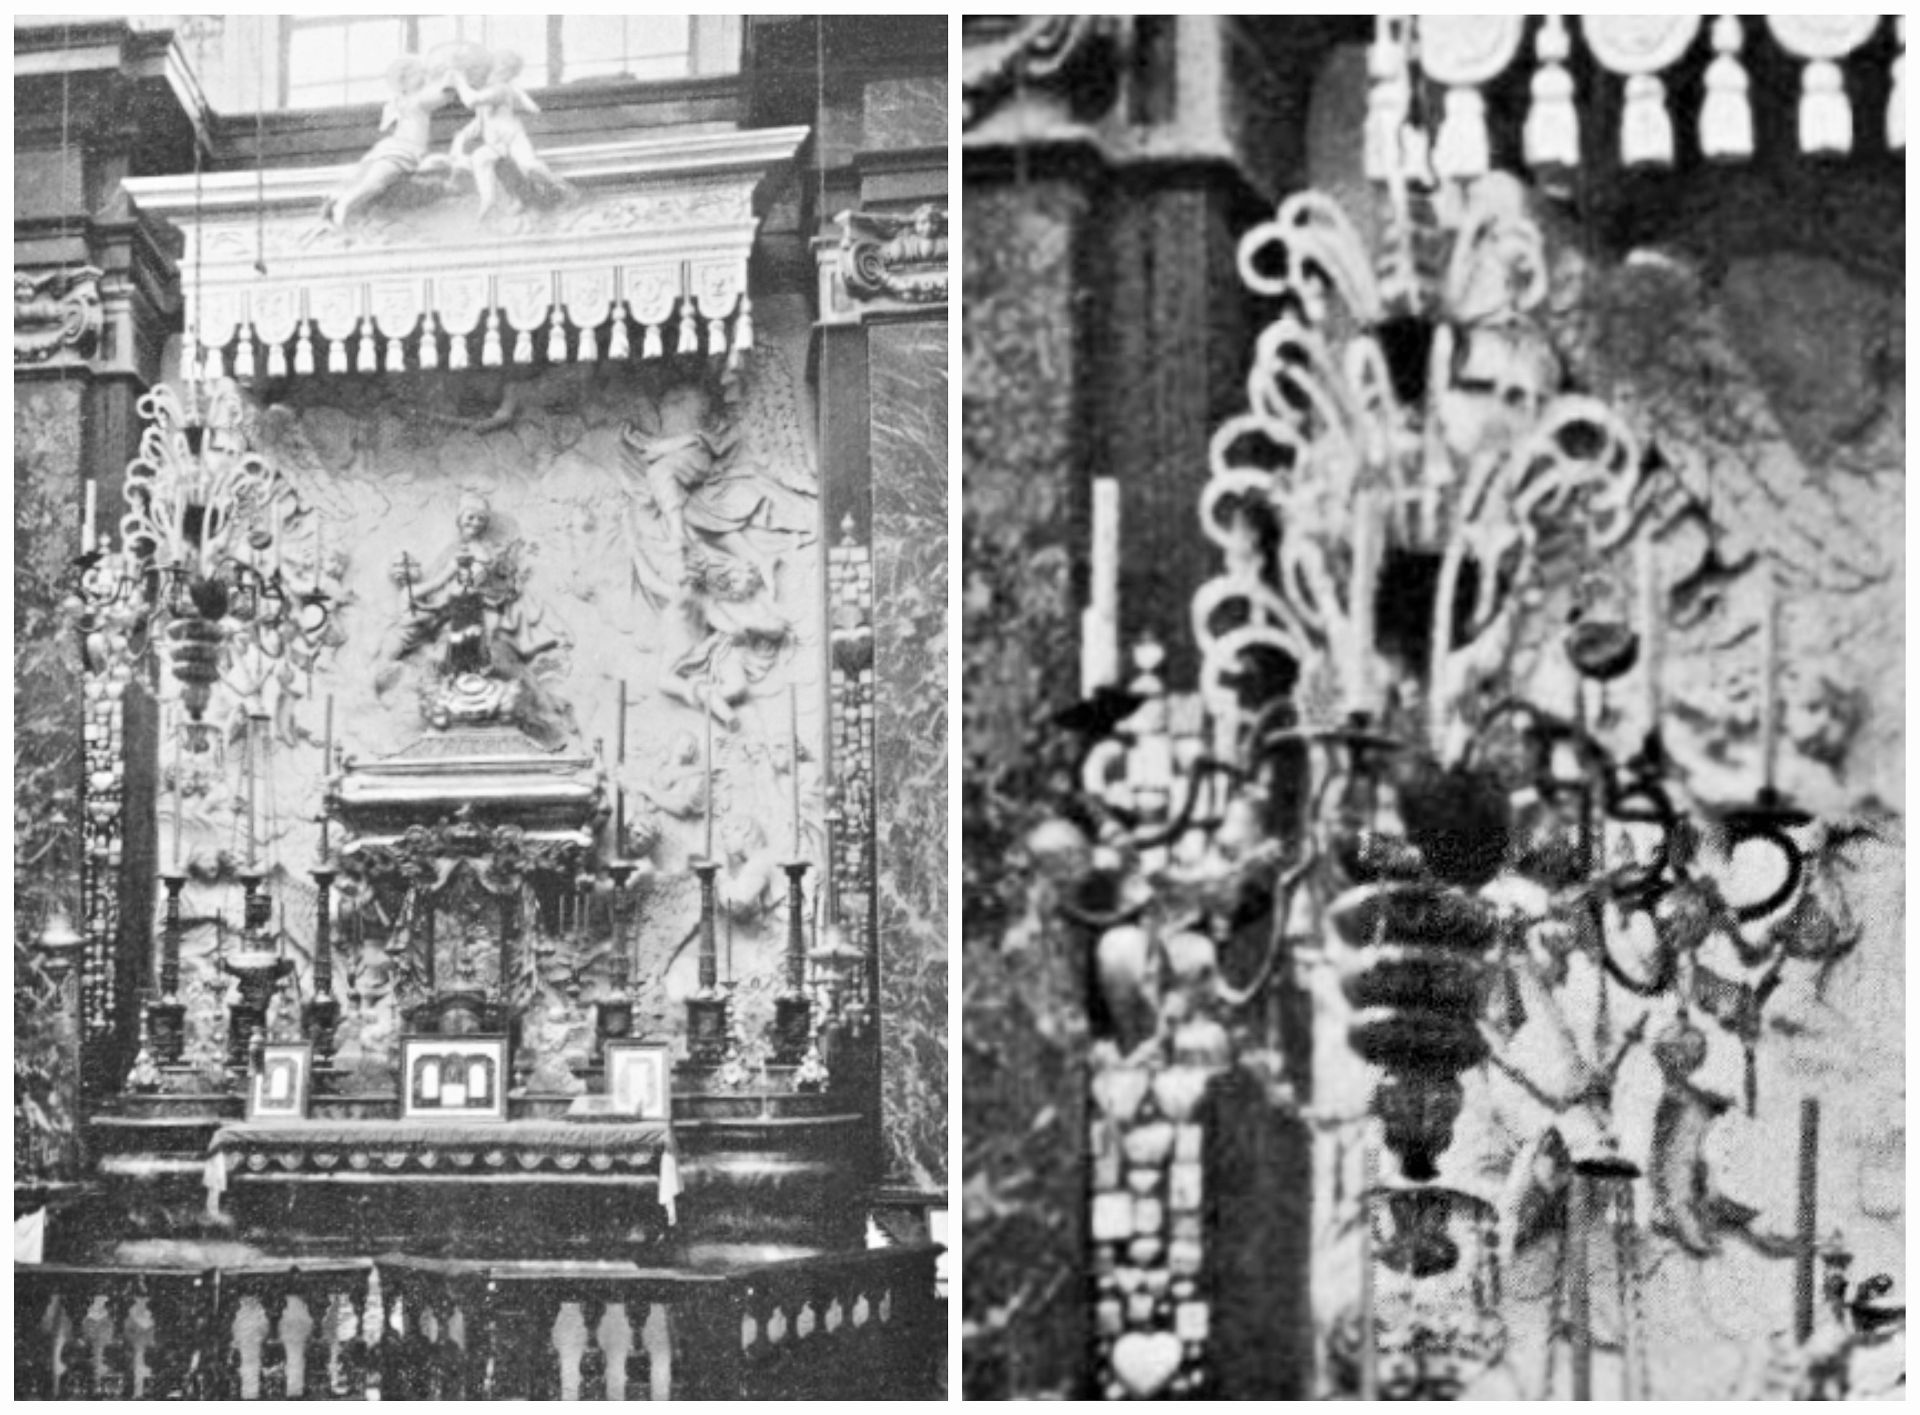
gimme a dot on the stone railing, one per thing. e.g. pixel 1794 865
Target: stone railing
pixel 850 1326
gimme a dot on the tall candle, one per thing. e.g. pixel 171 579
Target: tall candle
pixel 1652 630
pixel 793 757
pixel 87 539
pixel 179 789
pixel 1100 625
pixel 707 703
pixel 619 790
pixel 1769 674
pixel 326 771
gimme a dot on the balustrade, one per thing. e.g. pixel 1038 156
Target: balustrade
pixel 848 1326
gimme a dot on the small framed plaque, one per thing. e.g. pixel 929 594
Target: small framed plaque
pixel 638 1079
pixel 453 1078
pixel 280 1087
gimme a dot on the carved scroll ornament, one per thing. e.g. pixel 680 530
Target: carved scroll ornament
pixel 1073 56
pixel 59 309
pixel 895 257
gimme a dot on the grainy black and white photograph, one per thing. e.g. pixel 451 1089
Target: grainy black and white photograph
pixel 1432 707
pixel 480 707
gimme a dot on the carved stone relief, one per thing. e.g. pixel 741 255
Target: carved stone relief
pixel 55 310
pixel 506 550
pixel 895 257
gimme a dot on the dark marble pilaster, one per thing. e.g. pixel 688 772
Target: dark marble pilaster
pixel 1024 1097
pixel 47 768
pixel 908 365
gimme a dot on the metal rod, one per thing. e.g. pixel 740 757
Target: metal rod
pixel 793 757
pixel 326 770
pixel 709 716
pixel 1807 1219
pixel 620 791
pixel 179 786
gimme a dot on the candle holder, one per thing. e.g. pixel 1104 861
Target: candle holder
pixel 166 1015
pixel 709 1010
pixel 258 972
pixel 613 1014
pixel 320 1019
pixel 793 1009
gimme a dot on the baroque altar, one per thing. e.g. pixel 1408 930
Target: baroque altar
pixel 476 550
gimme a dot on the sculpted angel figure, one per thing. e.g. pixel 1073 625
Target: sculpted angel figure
pixel 407 123
pixel 497 133
pixel 683 450
pixel 727 629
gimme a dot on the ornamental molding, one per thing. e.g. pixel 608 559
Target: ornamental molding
pixel 56 313
pixel 885 263
pixel 648 254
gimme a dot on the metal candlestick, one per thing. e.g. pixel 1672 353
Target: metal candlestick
pixel 166 1014
pixel 323 1013
pixel 614 1013
pixel 708 1009
pixel 257 968
pixel 793 1010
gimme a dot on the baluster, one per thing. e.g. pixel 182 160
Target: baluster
pixel 275 1371
pixel 246 1336
pixel 32 1376
pixel 107 1377
pixel 616 1336
pixel 655 1353
pixel 594 1363
pixel 140 1332
pixel 297 1327
pixel 569 1346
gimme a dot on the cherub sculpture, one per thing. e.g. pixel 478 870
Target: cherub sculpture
pixel 407 123
pixel 497 133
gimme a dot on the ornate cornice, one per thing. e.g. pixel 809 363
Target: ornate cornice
pixel 885 262
pixel 56 314
pixel 650 247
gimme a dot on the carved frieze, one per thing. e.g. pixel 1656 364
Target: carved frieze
pixel 55 311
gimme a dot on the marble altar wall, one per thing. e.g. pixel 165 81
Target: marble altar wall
pixel 46 750
pixel 594 478
pixel 908 399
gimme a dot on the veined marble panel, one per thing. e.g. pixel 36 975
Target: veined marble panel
pixel 909 449
pixel 46 748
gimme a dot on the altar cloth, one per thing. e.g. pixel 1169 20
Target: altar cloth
pixel 452 1148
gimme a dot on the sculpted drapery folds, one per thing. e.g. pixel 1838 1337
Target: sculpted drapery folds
pixel 707 531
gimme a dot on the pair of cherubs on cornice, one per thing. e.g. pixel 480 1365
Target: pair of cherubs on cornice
pixel 488 83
